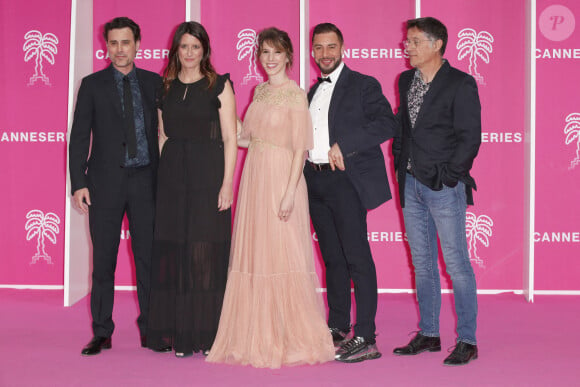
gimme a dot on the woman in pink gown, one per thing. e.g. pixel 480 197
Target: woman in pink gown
pixel 272 315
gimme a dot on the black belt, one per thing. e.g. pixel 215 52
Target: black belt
pixel 319 167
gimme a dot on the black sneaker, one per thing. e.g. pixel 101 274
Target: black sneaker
pixel 339 336
pixel 461 355
pixel 356 350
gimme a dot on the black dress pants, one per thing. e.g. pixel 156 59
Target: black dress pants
pixel 138 202
pixel 340 222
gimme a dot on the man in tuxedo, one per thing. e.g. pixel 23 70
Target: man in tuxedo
pixel 438 139
pixel 115 122
pixel 346 176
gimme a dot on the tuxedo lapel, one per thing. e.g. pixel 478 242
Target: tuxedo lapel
pixel 340 90
pixel 312 91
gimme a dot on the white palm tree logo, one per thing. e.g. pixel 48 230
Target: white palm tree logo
pixel 41 226
pixel 475 45
pixel 248 47
pixel 572 131
pixel 39 46
pixel 478 228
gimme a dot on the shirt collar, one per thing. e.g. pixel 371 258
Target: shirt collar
pixel 336 73
pixel 119 75
pixel 420 79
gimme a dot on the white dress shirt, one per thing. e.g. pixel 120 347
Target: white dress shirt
pixel 319 112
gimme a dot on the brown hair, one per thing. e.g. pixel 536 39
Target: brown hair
pixel 174 66
pixel 278 39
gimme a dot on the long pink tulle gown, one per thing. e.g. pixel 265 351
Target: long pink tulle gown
pixel 272 315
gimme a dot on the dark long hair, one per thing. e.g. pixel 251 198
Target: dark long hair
pixel 174 66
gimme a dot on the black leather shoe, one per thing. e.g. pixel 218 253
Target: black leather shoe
pixel 161 349
pixel 95 345
pixel 338 336
pixel 461 355
pixel 419 344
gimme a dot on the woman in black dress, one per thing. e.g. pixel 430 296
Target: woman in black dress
pixel 197 140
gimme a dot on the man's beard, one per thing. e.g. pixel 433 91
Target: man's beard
pixel 329 71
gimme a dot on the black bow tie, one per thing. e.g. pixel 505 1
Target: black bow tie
pixel 326 79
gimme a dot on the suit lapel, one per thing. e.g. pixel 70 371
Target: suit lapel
pixel 111 89
pixel 405 95
pixel 436 86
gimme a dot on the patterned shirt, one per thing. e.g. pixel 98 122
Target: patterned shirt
pixel 142 157
pixel 415 96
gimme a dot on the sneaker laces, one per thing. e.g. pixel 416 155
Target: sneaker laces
pixel 353 343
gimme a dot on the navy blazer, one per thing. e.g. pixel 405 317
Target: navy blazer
pixel 360 119
pixel 98 129
pixel 447 132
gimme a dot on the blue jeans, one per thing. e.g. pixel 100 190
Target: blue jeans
pixel 429 213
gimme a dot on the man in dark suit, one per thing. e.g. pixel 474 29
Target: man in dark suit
pixel 346 177
pixel 438 139
pixel 115 122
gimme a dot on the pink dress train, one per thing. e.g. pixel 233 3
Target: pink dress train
pixel 272 315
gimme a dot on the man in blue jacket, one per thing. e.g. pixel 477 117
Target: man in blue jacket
pixel 438 138
pixel 346 176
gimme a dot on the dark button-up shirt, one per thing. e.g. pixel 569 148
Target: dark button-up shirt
pixel 142 157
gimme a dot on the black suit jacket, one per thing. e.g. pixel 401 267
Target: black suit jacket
pixel 360 119
pixel 447 132
pixel 99 113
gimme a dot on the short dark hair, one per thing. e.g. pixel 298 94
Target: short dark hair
pixel 279 39
pixel 324 28
pixel 122 22
pixel 432 28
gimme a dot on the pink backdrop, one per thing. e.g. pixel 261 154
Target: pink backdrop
pixel 373 35
pixel 33 121
pixel 33 125
pixel 233 38
pixel 496 60
pixel 156 32
pixel 558 150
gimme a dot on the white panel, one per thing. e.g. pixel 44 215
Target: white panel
pixel 193 10
pixel 77 250
pixel 530 152
pixel 304 44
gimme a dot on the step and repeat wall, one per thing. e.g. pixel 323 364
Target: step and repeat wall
pixel 557 231
pixel 486 39
pixel 33 125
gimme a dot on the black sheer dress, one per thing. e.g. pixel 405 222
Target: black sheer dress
pixel 192 238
